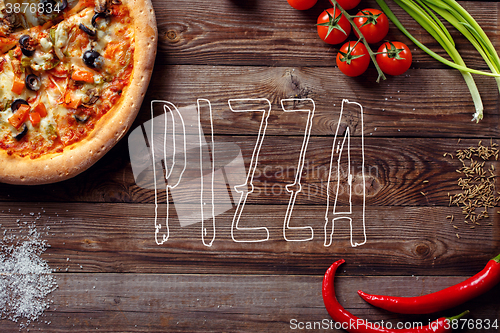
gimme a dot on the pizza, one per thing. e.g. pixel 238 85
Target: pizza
pixel 73 75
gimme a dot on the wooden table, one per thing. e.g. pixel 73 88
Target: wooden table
pixel 113 277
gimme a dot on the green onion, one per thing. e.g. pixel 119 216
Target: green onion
pixel 429 22
pixel 422 12
pixel 457 16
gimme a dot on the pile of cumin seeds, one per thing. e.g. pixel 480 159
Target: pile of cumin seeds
pixel 477 183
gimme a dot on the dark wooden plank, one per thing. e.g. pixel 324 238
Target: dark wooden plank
pixel 275 34
pixel 235 303
pixel 437 100
pixel 398 170
pixel 120 238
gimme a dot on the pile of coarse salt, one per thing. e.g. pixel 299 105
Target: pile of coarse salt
pixel 25 278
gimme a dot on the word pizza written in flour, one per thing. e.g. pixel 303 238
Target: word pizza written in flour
pixel 172 153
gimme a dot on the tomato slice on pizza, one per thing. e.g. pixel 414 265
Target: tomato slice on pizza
pixel 72 78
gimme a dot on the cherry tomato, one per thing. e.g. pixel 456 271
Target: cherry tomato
pixel 333 28
pixel 373 24
pixel 348 4
pixel 302 4
pixel 394 58
pixel 353 58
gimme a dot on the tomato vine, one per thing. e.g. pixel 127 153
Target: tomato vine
pixel 372 54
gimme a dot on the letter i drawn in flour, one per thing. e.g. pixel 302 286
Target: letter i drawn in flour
pixel 207 228
pixel 295 188
pixel 176 158
pixel 244 190
pixel 341 170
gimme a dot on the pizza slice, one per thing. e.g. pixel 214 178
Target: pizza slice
pixel 71 83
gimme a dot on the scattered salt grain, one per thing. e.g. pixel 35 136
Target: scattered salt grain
pixel 25 278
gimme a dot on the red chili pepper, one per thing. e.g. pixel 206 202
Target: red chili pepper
pixel 353 324
pixel 443 299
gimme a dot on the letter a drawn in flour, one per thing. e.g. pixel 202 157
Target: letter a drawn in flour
pixel 250 105
pixel 295 188
pixel 339 163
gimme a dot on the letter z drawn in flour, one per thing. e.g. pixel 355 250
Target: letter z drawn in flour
pixel 250 105
pixel 341 172
pixel 295 188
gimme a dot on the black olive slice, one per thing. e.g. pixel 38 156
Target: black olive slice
pixel 81 119
pixel 24 40
pixel 96 16
pixel 17 103
pixel 92 59
pixel 33 82
pixel 27 53
pixel 26 47
pixel 21 134
pixel 88 31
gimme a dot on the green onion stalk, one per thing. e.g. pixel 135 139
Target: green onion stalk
pixel 457 16
pixel 424 12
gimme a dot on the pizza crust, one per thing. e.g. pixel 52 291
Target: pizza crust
pixel 79 156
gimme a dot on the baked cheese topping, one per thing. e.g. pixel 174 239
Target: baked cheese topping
pixel 59 79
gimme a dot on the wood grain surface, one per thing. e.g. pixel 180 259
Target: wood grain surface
pixel 226 303
pixel 100 225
